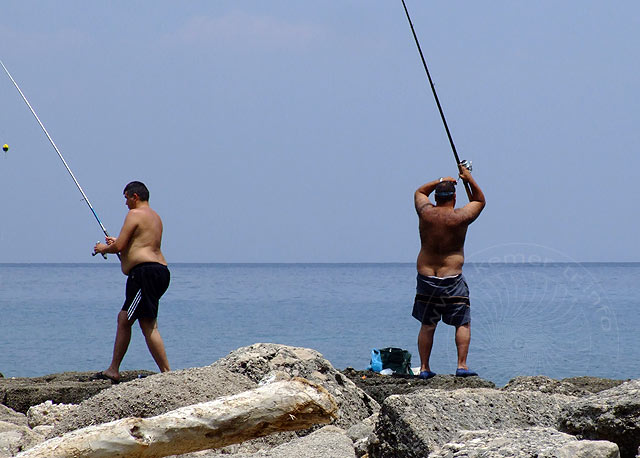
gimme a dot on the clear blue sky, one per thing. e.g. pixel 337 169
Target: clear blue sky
pixel 288 131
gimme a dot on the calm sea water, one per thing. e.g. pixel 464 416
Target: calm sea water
pixel 528 318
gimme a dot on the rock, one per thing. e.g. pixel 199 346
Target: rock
pixel 379 387
pixel 281 406
pixel 531 442
pixel 15 438
pixel 328 442
pixel 65 388
pixel 612 415
pixel 576 386
pixel 264 359
pixel 154 395
pixel 419 423
pixel 11 416
pixel 49 414
pixel 360 434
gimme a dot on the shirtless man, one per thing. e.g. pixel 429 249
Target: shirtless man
pixel 138 246
pixel 442 291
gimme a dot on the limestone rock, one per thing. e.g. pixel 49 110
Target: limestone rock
pixel 262 359
pixel 380 386
pixel 532 442
pixel 576 386
pixel 16 438
pixel 419 423
pixel 11 416
pixel 328 442
pixel 65 388
pixel 612 415
pixel 49 414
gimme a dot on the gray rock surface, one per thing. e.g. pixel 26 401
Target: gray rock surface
pixel 327 442
pixel 526 443
pixel 612 415
pixel 64 388
pixel 264 359
pixel 419 423
pixel 11 416
pixel 576 386
pixel 49 414
pixel 380 386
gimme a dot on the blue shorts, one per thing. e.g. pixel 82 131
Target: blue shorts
pixel 442 298
pixel 146 283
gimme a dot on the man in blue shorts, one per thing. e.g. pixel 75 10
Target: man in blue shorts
pixel 141 259
pixel 442 292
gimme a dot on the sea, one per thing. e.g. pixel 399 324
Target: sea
pixel 530 316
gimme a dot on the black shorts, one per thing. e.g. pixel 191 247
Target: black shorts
pixel 147 282
pixel 442 298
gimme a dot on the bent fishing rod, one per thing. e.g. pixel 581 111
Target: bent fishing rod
pixel 435 95
pixel 84 196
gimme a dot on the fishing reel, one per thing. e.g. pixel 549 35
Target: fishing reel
pixel 95 252
pixel 466 164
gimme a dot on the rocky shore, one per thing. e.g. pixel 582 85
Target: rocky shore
pixel 374 415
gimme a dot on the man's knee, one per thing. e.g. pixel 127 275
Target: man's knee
pixel 148 325
pixel 123 319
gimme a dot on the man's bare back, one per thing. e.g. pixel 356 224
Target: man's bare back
pixel 140 237
pixel 443 228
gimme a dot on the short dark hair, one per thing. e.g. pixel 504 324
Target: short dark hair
pixel 136 187
pixel 445 191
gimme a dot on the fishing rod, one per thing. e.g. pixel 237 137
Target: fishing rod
pixel 86 199
pixel 435 95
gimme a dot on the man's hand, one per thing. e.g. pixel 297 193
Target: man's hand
pixel 465 173
pixel 110 240
pixel 99 248
pixel 448 179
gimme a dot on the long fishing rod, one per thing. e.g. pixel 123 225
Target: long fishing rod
pixel 435 95
pixel 86 199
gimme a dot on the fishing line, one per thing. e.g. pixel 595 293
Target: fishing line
pixel 435 95
pixel 86 199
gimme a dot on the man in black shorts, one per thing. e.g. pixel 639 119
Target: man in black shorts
pixel 442 291
pixel 138 246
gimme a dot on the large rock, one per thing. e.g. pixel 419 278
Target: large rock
pixel 49 414
pixel 328 442
pixel 379 386
pixel 612 415
pixel 531 442
pixel 15 438
pixel 575 386
pixel 261 360
pixel 155 395
pixel 64 388
pixel 11 416
pixel 416 424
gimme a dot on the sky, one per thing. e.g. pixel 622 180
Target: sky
pixel 289 131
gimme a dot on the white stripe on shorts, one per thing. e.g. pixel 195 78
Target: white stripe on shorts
pixel 134 304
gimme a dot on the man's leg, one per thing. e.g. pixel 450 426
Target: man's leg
pixel 123 337
pixel 463 337
pixel 425 342
pixel 154 341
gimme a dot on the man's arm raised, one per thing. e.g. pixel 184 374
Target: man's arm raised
pixel 477 202
pixel 421 197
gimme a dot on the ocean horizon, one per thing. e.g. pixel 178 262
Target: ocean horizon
pixel 531 317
